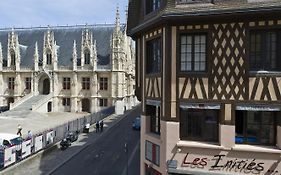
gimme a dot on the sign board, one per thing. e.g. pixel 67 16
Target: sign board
pixel 50 137
pixel 230 163
pixel 38 145
pixel 26 148
pixel 9 156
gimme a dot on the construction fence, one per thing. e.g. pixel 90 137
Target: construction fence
pixel 10 155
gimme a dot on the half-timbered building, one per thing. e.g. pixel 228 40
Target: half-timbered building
pixel 208 76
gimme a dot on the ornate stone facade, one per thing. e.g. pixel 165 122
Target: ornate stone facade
pixel 77 68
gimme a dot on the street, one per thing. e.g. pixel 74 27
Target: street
pixel 107 154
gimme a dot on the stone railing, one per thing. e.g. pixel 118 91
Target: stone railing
pixel 42 101
pixel 23 99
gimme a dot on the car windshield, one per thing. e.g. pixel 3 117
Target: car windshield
pixel 16 141
pixel 137 120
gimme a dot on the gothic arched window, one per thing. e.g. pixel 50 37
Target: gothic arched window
pixel 49 57
pixel 87 56
pixel 13 58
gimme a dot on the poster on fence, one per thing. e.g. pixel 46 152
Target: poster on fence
pixel 2 157
pixel 38 143
pixel 26 148
pixel 9 156
pixel 50 137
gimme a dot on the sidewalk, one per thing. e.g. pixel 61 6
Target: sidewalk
pixel 47 161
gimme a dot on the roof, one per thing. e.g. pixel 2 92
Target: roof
pixel 64 37
pixel 172 9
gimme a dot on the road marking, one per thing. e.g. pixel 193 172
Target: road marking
pixel 131 158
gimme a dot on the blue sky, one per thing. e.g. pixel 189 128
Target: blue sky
pixel 27 13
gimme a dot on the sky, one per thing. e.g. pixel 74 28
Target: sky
pixel 36 13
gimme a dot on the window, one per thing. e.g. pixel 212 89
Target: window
pixel 153 56
pixel 86 83
pixel 66 101
pixel 152 152
pixel 103 102
pixel 66 83
pixel 78 62
pixel 193 52
pixel 87 56
pixel 263 50
pixel 11 83
pixel 255 127
pixel 154 113
pixel 199 124
pixel 13 58
pixel 103 83
pixel 28 83
pixel 152 5
pixel 49 58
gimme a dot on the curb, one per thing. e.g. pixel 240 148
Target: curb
pixel 86 146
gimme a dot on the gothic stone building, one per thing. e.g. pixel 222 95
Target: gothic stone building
pixel 208 76
pixel 72 69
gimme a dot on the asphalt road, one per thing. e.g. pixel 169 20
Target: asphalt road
pixel 107 156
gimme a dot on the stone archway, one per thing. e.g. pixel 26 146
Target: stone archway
pixel 44 85
pixel 86 105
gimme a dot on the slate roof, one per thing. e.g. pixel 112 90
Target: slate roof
pixel 64 37
pixel 173 9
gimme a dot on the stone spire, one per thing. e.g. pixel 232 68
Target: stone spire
pixel 13 54
pixel 74 56
pixel 117 20
pixel 36 57
pixel 1 58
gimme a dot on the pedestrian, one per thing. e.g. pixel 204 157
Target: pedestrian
pixel 101 126
pixel 19 130
pixel 97 126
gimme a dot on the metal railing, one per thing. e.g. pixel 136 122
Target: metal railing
pixel 47 138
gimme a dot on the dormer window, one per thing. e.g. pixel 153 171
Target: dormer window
pixel 13 58
pixel 87 56
pixel 152 5
pixel 49 58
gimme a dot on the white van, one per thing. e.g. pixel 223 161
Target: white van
pixel 9 139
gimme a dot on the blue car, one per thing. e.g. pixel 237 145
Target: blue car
pixel 137 123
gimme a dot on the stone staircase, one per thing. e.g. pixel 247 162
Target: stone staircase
pixel 25 108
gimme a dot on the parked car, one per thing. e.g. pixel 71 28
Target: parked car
pixel 137 123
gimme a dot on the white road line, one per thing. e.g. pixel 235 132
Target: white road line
pixel 131 158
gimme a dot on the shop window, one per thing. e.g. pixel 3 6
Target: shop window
pixel 153 56
pixel 103 102
pixel 152 5
pixel 152 152
pixel 199 124
pixel 86 83
pixel 11 83
pixel 263 50
pixel 255 127
pixel 103 83
pixel 66 83
pixel 66 101
pixel 153 112
pixel 193 52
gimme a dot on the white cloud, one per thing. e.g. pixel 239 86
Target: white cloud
pixel 26 13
